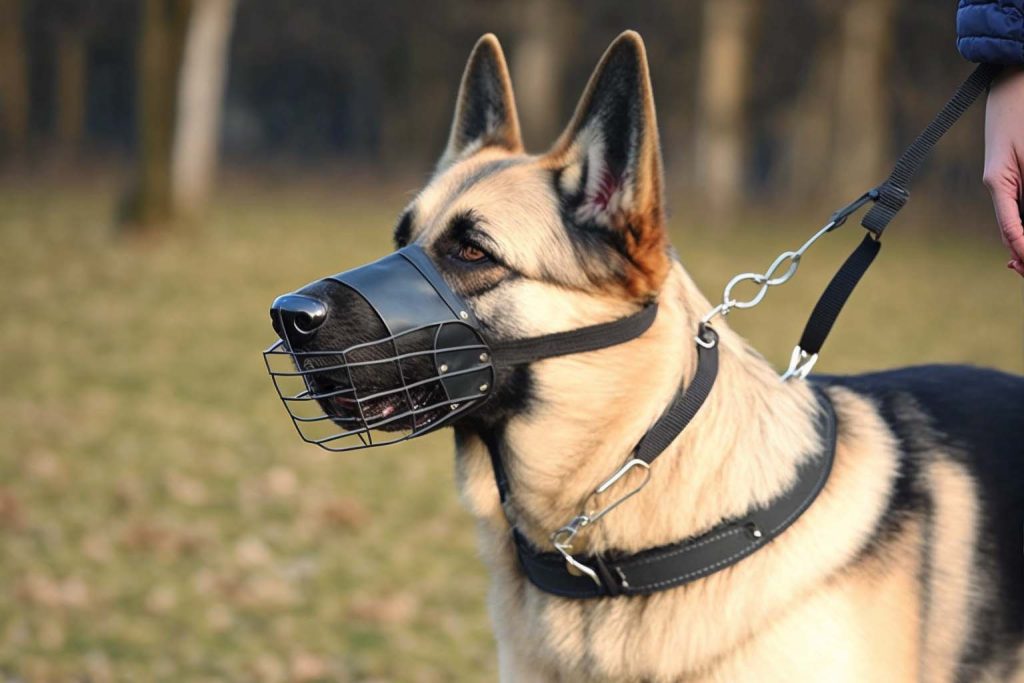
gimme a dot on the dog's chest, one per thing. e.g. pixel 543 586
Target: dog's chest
pixel 832 634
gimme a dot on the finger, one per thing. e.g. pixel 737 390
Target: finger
pixel 1017 266
pixel 1009 219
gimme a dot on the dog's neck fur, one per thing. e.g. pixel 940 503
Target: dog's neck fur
pixel 592 409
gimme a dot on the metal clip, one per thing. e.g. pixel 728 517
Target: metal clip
pixel 562 540
pixel 800 364
pixel 840 216
pixel 563 537
pixel 705 330
pixel 611 481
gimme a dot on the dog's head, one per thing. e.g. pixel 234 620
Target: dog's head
pixel 532 243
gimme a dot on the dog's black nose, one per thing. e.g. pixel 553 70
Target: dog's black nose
pixel 297 317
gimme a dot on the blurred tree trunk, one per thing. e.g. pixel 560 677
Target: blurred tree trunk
pixel 723 84
pixel 200 103
pixel 862 121
pixel 537 67
pixel 14 96
pixel 163 27
pixel 810 127
pixel 70 87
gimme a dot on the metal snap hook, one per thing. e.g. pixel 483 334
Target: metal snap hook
pixel 563 537
pixel 562 540
pixel 800 364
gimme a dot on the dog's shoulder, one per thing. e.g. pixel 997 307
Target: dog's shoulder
pixel 970 418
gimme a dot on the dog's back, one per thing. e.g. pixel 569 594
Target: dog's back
pixel 960 430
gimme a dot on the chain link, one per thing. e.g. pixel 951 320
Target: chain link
pixel 767 279
pixel 789 259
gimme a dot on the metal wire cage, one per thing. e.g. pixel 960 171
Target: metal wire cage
pixel 383 391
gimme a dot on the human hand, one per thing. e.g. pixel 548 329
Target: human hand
pixel 1004 159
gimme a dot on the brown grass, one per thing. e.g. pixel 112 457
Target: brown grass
pixel 161 521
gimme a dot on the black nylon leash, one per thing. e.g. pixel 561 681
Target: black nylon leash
pixel 889 197
pixel 832 300
pixel 687 403
pixel 895 190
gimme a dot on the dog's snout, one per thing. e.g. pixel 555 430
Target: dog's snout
pixel 297 317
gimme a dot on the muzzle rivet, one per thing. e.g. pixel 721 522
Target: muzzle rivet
pixel 454 406
pixel 483 387
pixel 464 315
pixel 443 369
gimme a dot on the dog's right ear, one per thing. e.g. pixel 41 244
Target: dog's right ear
pixel 485 112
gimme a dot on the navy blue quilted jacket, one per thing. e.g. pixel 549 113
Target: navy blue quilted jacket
pixel 991 31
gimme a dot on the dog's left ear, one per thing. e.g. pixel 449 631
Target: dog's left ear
pixel 608 161
pixel 485 112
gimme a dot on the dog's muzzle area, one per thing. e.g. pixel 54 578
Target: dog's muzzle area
pixel 376 355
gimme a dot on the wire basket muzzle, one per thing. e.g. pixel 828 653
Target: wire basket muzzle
pixel 429 367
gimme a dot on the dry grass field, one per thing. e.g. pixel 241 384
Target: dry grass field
pixel 159 518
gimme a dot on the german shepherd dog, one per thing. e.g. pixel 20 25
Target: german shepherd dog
pixel 909 565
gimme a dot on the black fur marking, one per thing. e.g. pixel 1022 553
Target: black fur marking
pixel 977 415
pixel 461 225
pixel 403 230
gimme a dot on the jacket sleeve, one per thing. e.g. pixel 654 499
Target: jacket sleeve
pixel 991 31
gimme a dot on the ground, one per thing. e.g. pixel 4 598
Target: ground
pixel 159 518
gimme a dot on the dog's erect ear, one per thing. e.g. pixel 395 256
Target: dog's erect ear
pixel 485 112
pixel 608 160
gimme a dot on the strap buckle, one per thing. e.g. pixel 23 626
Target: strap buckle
pixel 562 538
pixel 800 364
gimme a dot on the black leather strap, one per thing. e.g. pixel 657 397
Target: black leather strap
pixel 679 563
pixel 580 340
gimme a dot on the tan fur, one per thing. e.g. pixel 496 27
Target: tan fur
pixel 806 607
pixel 951 575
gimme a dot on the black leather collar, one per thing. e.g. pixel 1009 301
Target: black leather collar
pixel 672 565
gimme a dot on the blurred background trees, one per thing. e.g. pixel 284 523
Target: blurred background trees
pixel 761 102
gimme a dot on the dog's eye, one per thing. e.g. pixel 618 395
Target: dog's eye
pixel 471 253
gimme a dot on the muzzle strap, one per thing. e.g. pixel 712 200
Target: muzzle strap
pixel 580 340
